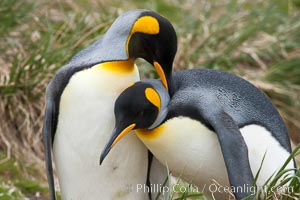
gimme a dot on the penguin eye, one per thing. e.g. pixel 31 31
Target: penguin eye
pixel 141 113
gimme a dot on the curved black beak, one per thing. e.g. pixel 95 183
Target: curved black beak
pixel 117 134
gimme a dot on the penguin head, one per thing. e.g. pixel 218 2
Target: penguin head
pixel 144 105
pixel 134 107
pixel 158 49
pixel 144 34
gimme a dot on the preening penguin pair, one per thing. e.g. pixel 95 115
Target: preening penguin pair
pixel 204 124
pixel 214 125
pixel 79 111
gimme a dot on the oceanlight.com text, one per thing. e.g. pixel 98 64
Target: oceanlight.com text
pixel 211 188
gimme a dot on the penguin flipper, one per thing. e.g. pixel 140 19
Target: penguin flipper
pixel 234 150
pixel 48 132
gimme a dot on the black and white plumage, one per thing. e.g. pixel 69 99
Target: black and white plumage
pixel 214 125
pixel 79 109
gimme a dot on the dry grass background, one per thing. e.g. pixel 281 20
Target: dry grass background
pixel 258 40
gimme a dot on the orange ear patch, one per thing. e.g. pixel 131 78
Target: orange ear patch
pixel 145 24
pixel 153 97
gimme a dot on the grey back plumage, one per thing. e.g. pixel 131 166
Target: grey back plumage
pixel 241 100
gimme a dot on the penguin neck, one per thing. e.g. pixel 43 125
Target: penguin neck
pixel 164 101
pixel 160 118
pixel 114 42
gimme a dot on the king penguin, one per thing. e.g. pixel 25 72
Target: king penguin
pixel 215 126
pixel 79 110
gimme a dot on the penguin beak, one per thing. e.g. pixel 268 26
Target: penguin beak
pixel 117 134
pixel 161 74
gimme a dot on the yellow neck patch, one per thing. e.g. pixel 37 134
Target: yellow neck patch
pixel 153 97
pixel 145 134
pixel 145 24
pixel 121 67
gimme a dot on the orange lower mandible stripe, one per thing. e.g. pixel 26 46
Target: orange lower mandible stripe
pixel 161 74
pixel 122 134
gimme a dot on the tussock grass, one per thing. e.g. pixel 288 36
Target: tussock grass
pixel 31 58
pixel 18 180
pixel 284 184
pixel 258 40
